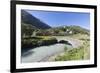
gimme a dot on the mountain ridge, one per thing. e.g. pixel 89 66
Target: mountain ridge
pixel 32 20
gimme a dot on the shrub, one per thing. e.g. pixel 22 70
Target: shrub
pixel 74 54
pixel 37 41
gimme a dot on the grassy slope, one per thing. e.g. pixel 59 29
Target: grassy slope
pixel 80 53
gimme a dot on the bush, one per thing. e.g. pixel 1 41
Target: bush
pixel 35 42
pixel 74 54
pixel 65 48
pixel 49 41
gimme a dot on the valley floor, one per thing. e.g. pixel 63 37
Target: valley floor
pixel 80 50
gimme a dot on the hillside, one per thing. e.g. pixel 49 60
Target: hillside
pixel 29 19
pixel 72 29
pixel 32 25
pixel 64 30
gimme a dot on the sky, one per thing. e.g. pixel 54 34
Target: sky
pixel 55 19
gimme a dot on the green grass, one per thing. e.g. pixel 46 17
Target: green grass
pixel 80 53
pixel 37 41
pixel 75 54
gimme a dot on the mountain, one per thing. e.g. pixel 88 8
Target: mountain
pixel 72 29
pixel 27 18
pixel 78 29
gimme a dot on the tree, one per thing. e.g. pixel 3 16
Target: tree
pixel 26 30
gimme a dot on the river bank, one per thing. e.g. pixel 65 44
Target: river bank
pixel 79 52
pixel 41 54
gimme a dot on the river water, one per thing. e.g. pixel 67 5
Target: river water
pixel 41 54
